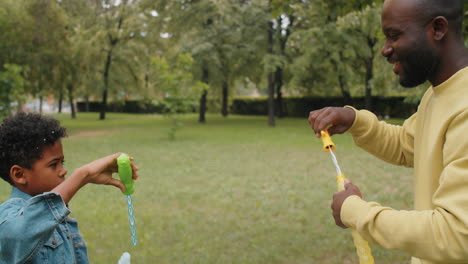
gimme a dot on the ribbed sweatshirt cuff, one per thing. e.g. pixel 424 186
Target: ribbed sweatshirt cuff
pixel 353 207
pixel 362 126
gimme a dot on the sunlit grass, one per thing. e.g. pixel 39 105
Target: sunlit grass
pixel 232 190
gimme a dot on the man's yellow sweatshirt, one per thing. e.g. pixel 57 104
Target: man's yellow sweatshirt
pixel 435 142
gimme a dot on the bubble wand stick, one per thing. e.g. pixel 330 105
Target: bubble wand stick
pixel 362 247
pixel 125 175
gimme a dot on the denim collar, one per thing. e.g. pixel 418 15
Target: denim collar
pixel 16 193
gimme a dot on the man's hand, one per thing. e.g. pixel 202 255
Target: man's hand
pixel 340 197
pixel 336 119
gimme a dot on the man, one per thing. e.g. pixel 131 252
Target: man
pixel 424 43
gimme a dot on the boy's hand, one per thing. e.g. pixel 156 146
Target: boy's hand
pixel 336 119
pixel 340 197
pixel 100 171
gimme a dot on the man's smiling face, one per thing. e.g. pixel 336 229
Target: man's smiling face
pixel 407 46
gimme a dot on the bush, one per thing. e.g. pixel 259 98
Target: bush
pixel 396 107
pixel 160 106
pixel 301 106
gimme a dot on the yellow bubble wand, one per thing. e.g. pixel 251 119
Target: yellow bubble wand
pixel 362 247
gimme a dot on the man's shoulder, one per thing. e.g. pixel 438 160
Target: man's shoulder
pixel 461 77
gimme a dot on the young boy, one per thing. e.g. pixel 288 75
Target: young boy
pixel 34 222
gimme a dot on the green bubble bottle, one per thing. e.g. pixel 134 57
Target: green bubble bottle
pixel 125 175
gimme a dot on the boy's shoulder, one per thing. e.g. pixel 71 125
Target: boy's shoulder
pixel 18 194
pixel 17 199
pixel 11 208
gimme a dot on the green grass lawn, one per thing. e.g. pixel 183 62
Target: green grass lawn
pixel 232 190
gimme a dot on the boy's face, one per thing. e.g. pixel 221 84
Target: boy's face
pixel 47 172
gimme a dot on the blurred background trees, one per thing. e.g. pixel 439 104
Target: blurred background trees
pixel 101 50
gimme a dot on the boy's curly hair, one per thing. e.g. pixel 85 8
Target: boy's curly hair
pixel 23 138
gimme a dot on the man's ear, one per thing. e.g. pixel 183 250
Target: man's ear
pixel 440 27
pixel 17 175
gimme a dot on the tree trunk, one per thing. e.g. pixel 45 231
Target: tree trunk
pixel 278 80
pixel 87 103
pixel 147 80
pixel 60 101
pixel 279 93
pixel 348 100
pixel 271 79
pixel 70 100
pixel 224 107
pixel 271 101
pixel 40 104
pixel 205 76
pixel 279 72
pixel 201 118
pixel 102 115
pixel 112 43
pixel 369 74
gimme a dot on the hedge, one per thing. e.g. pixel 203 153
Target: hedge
pixel 140 106
pixel 292 106
pixel 301 106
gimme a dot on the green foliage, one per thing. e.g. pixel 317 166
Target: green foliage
pixel 318 47
pixel 226 39
pixel 272 62
pixel 338 8
pixel 362 30
pixel 175 80
pixel 16 31
pixel 279 7
pixel 11 88
pixel 330 58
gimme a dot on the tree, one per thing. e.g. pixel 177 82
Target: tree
pixel 118 30
pixel 321 62
pixel 223 37
pixel 364 26
pixel 47 46
pixel 270 72
pixel 339 50
pixel 16 32
pixel 31 37
pixel 11 88
pixel 176 83
pixel 283 18
pixel 189 24
pixel 75 59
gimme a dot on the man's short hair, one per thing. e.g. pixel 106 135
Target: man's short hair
pixel 452 10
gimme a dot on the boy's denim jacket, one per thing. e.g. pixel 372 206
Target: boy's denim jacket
pixel 38 230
